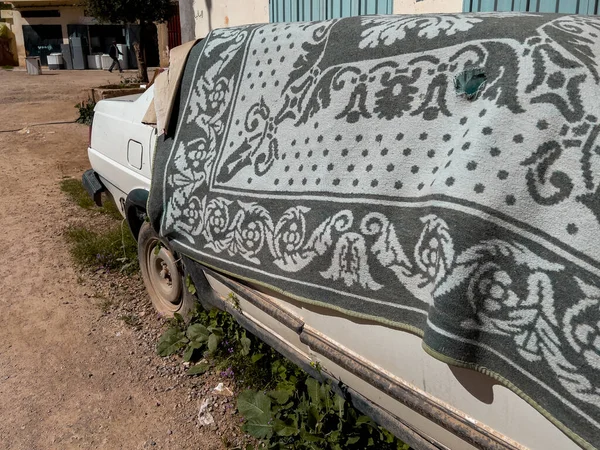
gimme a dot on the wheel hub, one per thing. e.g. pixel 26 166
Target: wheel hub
pixel 163 272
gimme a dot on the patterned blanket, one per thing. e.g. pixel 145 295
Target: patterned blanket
pixel 440 174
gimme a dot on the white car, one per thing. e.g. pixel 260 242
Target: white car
pixel 426 403
pixel 121 150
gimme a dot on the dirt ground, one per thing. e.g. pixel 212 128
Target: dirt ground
pixel 72 373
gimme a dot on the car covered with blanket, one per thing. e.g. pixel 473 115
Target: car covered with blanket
pixel 412 203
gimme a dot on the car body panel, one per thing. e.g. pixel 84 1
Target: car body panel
pixel 122 146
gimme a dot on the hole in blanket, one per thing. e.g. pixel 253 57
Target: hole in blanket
pixel 470 83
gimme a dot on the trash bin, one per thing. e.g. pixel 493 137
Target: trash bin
pixel 55 61
pixel 34 65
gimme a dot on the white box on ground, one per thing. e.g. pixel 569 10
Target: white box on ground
pixel 95 61
pixel 124 58
pixel 106 62
pixel 55 61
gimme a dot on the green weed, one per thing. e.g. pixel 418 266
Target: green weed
pixel 128 81
pixel 76 192
pixel 131 320
pixel 86 111
pixel 229 348
pixel 285 409
pixel 78 195
pixel 113 249
pixel 106 305
pixel 110 208
pixel 311 416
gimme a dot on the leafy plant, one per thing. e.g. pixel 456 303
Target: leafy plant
pixel 285 409
pixel 228 347
pixel 190 285
pixel 86 111
pixel 195 338
pixel 199 369
pixel 310 417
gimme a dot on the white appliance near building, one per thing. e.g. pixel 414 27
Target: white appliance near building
pixel 95 61
pixel 124 57
pixel 106 62
pixel 56 61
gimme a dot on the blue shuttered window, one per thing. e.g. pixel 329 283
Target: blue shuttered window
pixel 544 6
pixel 310 10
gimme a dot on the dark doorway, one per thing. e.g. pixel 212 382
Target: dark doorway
pixel 41 40
pixel 150 39
pixel 102 37
pixel 174 29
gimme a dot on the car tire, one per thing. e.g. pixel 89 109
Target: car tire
pixel 163 275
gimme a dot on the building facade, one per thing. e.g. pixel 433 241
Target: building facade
pixel 41 26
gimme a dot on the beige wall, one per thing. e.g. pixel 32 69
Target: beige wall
pixel 211 14
pixel 68 16
pixel 162 31
pixel 427 6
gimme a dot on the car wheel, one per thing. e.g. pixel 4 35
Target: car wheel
pixel 162 274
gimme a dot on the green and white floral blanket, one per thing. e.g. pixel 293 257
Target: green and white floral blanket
pixel 440 174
